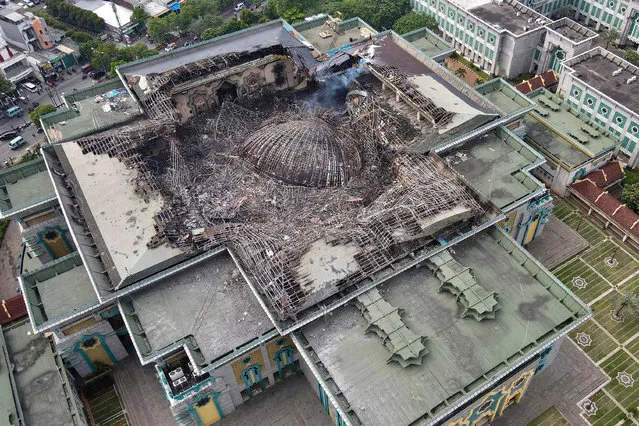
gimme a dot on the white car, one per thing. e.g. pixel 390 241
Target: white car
pixel 30 4
pixel 239 7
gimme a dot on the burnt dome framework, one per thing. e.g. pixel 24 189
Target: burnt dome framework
pixel 308 152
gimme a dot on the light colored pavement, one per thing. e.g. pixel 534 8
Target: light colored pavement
pixel 558 243
pixel 141 394
pixel 288 403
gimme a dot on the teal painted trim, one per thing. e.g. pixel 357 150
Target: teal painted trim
pixel 288 350
pixel 248 382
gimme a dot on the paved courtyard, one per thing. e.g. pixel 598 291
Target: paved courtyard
pixel 598 275
pixel 562 385
pixel 289 403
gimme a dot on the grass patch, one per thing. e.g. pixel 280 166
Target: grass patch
pixel 550 417
pixel 601 344
pixel 481 73
pixel 633 348
pixel 607 412
pixel 621 363
pixel 621 331
pixel 574 273
pixel 625 265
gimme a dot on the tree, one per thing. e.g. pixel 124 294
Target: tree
pixel 160 28
pixel 102 56
pixel 114 65
pixel 626 300
pixel 631 56
pixel 609 36
pixel 249 17
pixel 460 72
pixel 39 111
pixel 5 85
pixel 630 196
pixel 414 21
pixel 139 16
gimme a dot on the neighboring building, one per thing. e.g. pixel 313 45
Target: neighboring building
pixel 14 67
pixel 17 29
pixel 564 39
pixel 591 193
pixel 500 37
pixel 604 87
pixel 172 220
pixel 620 15
pixel 572 142
pixel 504 37
pixel 41 29
pixel 36 388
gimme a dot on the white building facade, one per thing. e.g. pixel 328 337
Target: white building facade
pixel 603 104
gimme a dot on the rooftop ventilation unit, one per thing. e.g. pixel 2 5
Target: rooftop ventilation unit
pixel 530 20
pixel 631 79
pixel 617 72
pixel 518 13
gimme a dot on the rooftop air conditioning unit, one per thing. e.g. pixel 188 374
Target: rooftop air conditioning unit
pixel 617 71
pixel 518 13
pixel 631 79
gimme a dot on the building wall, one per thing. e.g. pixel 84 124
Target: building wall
pixel 237 381
pixel 279 74
pixel 74 344
pixel 527 222
pixel 472 37
pixel 41 31
pixel 600 14
pixel 609 114
pixel 495 401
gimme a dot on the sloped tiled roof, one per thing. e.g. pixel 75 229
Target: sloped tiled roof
pixel 546 79
pixel 607 175
pixel 12 309
pixel 589 188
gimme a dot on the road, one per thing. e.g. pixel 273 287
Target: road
pixel 52 96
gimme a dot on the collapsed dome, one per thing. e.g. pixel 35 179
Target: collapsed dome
pixel 303 152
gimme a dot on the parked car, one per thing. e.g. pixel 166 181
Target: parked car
pixel 7 136
pixel 30 87
pixel 86 68
pixel 170 46
pixel 17 142
pixel 15 111
pixel 29 3
pixel 96 74
pixel 239 7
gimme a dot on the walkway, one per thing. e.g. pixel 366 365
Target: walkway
pixel 289 403
pixel 141 394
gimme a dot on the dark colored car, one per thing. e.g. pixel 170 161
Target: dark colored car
pixel 7 136
pixel 96 74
